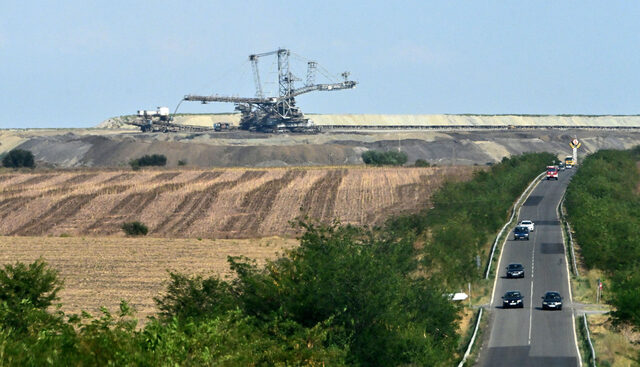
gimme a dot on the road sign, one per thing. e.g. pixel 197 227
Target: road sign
pixel 575 144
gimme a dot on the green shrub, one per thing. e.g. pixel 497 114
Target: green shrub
pixel 148 160
pixel 19 158
pixel 356 286
pixel 135 228
pixel 345 296
pixel 465 215
pixel 195 297
pixel 26 291
pixel 378 158
pixel 604 210
pixel 422 163
pixel 182 162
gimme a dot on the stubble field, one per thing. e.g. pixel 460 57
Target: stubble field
pixel 102 271
pixel 224 203
pixel 197 218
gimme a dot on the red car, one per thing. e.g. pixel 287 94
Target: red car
pixel 552 172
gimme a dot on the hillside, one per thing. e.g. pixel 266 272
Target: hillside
pixel 224 203
pixel 114 148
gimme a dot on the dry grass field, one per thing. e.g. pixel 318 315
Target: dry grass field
pixel 220 203
pixel 102 271
pixel 72 220
pixel 615 346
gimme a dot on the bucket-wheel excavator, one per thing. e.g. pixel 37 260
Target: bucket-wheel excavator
pixel 279 113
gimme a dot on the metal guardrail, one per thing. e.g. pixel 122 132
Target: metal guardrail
pixel 516 209
pixel 593 351
pixel 473 339
pixel 561 209
pixel 571 242
pixel 513 213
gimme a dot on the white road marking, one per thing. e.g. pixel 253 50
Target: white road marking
pixel 533 257
pixel 573 311
pixel 537 181
pixel 566 263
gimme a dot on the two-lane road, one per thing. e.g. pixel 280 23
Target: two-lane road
pixel 531 336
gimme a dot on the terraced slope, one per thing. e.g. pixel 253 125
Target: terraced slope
pixel 223 203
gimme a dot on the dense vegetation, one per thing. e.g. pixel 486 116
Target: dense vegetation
pixel 149 160
pixel 390 158
pixel 135 228
pixel 346 296
pixel 603 206
pixel 466 215
pixel 18 158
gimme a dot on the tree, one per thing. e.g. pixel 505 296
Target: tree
pixel 24 289
pixel 19 158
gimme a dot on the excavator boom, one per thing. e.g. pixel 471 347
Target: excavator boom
pixel 278 113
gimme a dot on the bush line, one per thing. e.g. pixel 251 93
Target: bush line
pixel 347 296
pixel 604 210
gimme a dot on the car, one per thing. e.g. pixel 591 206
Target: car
pixel 561 166
pixel 515 271
pixel 552 301
pixel 552 172
pixel 521 232
pixel 513 299
pixel 529 224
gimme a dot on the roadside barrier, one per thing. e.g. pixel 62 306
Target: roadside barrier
pixel 593 351
pixel 564 220
pixel 473 339
pixel 516 210
pixel 524 196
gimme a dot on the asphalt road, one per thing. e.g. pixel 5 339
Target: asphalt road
pixel 531 336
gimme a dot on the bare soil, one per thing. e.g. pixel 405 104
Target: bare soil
pixel 115 148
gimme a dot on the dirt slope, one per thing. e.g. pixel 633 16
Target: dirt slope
pixel 114 148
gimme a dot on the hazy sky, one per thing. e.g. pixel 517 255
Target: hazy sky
pixel 76 63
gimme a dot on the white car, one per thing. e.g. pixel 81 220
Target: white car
pixel 529 224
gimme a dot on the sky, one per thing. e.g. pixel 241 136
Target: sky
pixel 76 63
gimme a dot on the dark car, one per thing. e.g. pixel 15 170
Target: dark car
pixel 513 299
pixel 521 232
pixel 515 271
pixel 552 301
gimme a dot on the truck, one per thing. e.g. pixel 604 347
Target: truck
pixel 568 161
pixel 552 173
